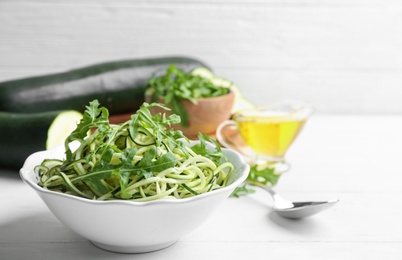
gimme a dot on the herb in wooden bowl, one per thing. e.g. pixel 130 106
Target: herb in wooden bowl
pixel 201 100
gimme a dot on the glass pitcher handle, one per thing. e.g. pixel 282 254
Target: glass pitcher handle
pixel 228 136
pixel 224 132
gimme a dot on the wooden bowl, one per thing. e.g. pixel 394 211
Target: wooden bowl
pixel 204 117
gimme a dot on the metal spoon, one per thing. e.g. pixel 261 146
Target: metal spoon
pixel 294 210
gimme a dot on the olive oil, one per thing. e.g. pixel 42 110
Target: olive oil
pixel 269 136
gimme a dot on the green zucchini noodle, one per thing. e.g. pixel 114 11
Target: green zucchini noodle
pixel 112 164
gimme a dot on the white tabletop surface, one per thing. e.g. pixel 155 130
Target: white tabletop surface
pixel 357 159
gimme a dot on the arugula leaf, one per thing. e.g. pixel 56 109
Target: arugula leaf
pixel 263 174
pixel 124 171
pixel 105 163
pixel 168 160
pixel 216 156
pixel 159 124
pixel 144 167
pixel 242 191
pixel 92 117
pixel 93 179
pixel 151 163
pixel 176 85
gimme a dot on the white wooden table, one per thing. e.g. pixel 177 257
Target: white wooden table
pixel 356 159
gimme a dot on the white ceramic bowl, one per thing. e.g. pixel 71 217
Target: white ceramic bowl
pixel 132 227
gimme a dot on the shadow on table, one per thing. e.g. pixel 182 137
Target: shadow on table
pixel 305 226
pixel 9 174
pixel 42 236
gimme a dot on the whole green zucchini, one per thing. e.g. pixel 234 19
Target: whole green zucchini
pixel 118 85
pixel 23 134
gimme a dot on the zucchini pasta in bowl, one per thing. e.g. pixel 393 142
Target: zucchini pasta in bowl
pixel 153 184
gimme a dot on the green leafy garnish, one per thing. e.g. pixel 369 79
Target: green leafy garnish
pixel 176 85
pixel 142 159
pixel 201 148
pixel 92 117
pixel 242 190
pixel 263 174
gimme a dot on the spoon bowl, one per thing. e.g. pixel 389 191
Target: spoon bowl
pixel 294 210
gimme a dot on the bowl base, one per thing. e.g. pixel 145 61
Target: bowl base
pixel 133 249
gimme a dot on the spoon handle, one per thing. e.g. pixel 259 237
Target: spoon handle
pixel 279 202
pixel 262 186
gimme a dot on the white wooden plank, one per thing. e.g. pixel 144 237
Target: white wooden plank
pixel 279 37
pixel 207 2
pixel 200 251
pixel 325 53
pixel 353 158
pixel 242 227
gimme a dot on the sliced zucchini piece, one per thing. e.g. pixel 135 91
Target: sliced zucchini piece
pixel 240 103
pixel 61 127
pixel 203 72
pixel 220 82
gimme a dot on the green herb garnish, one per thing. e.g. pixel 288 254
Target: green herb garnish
pixel 261 174
pixel 142 159
pixel 176 85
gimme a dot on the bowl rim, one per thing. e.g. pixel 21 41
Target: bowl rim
pixel 26 174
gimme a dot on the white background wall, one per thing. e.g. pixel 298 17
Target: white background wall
pixel 341 56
